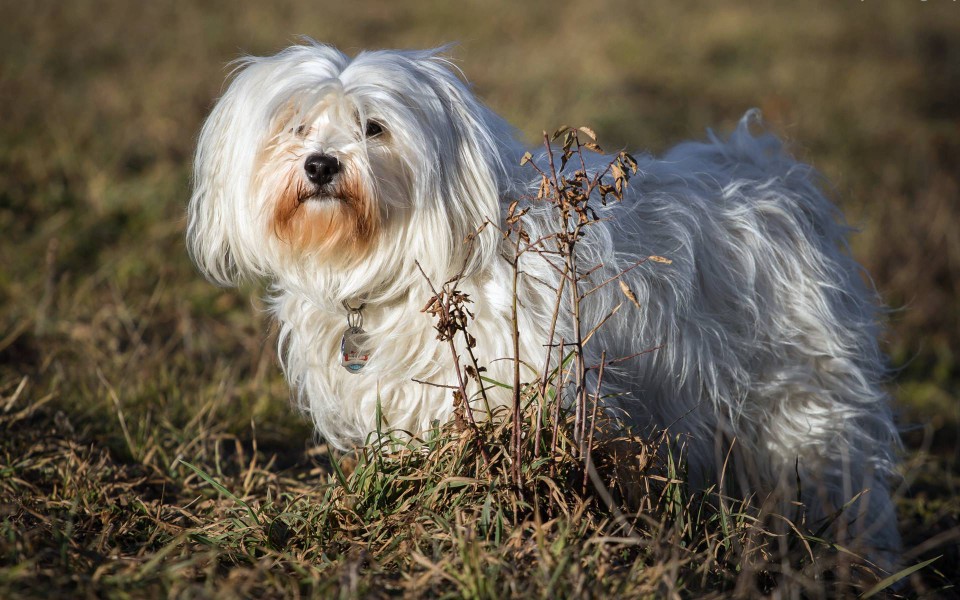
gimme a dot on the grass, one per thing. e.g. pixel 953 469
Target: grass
pixel 430 520
pixel 118 362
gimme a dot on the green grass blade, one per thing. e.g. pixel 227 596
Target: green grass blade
pixel 899 575
pixel 219 487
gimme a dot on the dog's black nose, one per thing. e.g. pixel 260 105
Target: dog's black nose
pixel 321 168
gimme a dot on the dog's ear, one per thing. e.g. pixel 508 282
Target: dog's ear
pixel 223 221
pixel 477 163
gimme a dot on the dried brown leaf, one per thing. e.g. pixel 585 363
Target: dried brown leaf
pixel 556 134
pixel 629 293
pixel 594 147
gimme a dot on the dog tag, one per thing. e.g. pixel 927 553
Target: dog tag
pixel 352 355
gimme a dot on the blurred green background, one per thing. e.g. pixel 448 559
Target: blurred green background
pixel 101 102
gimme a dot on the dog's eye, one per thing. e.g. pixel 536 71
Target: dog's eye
pixel 373 129
pixel 301 129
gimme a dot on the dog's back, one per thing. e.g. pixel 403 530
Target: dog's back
pixel 765 329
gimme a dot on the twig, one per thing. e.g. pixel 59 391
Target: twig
pixel 461 385
pixel 517 436
pixel 593 420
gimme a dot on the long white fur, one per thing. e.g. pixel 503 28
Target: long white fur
pixel 767 331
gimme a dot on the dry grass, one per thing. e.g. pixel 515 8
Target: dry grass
pixel 116 359
pixel 430 520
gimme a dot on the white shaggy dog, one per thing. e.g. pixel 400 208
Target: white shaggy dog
pixel 332 178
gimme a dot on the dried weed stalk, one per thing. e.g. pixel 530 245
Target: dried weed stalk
pixel 572 189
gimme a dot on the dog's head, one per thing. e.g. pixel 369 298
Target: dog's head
pixel 313 162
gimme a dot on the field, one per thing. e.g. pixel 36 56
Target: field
pixel 147 444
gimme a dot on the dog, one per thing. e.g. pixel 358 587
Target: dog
pixel 348 185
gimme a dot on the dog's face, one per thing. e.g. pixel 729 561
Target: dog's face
pixel 328 175
pixel 315 162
